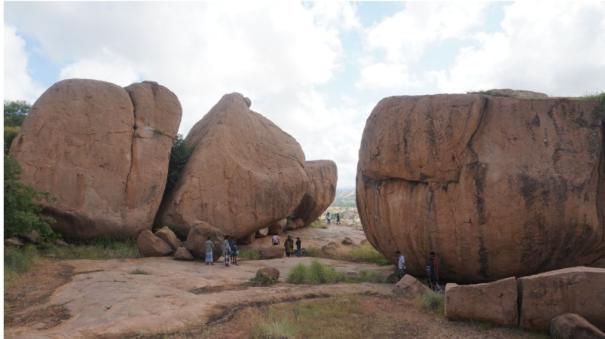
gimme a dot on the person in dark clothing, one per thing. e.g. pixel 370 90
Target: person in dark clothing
pixel 432 266
pixel 298 247
pixel 289 246
pixel 234 251
pixel 337 218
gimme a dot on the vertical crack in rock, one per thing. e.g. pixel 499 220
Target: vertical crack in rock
pixel 132 151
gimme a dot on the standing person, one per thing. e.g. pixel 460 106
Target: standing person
pixel 226 251
pixel 289 246
pixel 436 271
pixel 430 271
pixel 400 265
pixel 209 252
pixel 328 217
pixel 337 218
pixel 298 247
pixel 234 251
pixel 275 239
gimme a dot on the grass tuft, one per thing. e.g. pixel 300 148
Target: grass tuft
pixel 317 273
pixel 249 254
pixel 18 261
pixel 102 248
pixel 432 302
pixel 139 271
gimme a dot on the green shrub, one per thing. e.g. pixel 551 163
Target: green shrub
pixel 179 154
pixel 312 252
pixel 139 271
pixel 249 254
pixel 22 214
pixel 432 301
pixel 10 132
pixel 15 112
pixel 297 274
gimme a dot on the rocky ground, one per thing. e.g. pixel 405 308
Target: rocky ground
pixel 162 297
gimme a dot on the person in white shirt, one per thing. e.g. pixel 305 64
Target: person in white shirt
pixel 400 264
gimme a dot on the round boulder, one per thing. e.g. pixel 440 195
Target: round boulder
pixel 152 246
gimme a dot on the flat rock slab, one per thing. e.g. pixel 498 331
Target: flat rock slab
pixel 495 302
pixel 152 295
pixel 573 326
pixel 578 290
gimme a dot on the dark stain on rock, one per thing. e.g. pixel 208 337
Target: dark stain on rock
pixel 535 122
pixel 529 187
pixel 479 173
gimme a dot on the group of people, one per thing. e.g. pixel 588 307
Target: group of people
pixel 431 268
pixel 289 245
pixel 230 251
pixel 329 218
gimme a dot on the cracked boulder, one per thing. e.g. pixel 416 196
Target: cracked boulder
pixel 320 192
pixel 101 152
pixel 244 173
pixel 497 186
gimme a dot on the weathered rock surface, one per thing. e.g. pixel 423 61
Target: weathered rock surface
pixel 271 252
pixel 152 246
pixel 410 287
pixel 347 241
pixel 578 290
pixel 320 192
pixel 277 227
pixel 495 302
pixel 497 186
pixel 102 153
pixel 196 240
pixel 244 174
pixel 169 237
pixel 573 326
pixel 270 273
pixel 183 254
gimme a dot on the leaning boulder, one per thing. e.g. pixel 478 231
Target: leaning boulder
pixel 498 186
pixel 268 273
pixel 101 151
pixel 244 174
pixel 320 192
pixel 494 302
pixel 152 246
pixel 197 237
pixel 578 290
pixel 169 237
pixel 410 287
pixel 183 254
pixel 573 326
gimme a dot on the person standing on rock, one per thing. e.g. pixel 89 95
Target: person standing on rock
pixel 400 265
pixel 328 217
pixel 289 246
pixel 226 251
pixel 337 218
pixel 298 247
pixel 209 254
pixel 234 251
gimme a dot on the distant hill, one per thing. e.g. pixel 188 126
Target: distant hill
pixel 345 197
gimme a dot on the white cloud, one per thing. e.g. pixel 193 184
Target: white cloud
pixel 18 84
pixel 553 47
pixel 403 38
pixel 107 67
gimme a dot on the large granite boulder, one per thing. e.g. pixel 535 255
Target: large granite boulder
pixel 150 245
pixel 579 290
pixel 197 237
pixel 101 151
pixel 244 174
pixel 494 302
pixel 497 186
pixel 320 192
pixel 169 237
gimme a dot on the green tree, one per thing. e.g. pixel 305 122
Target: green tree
pixel 179 155
pixel 15 112
pixel 21 210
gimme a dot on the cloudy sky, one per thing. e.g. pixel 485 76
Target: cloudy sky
pixel 316 69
